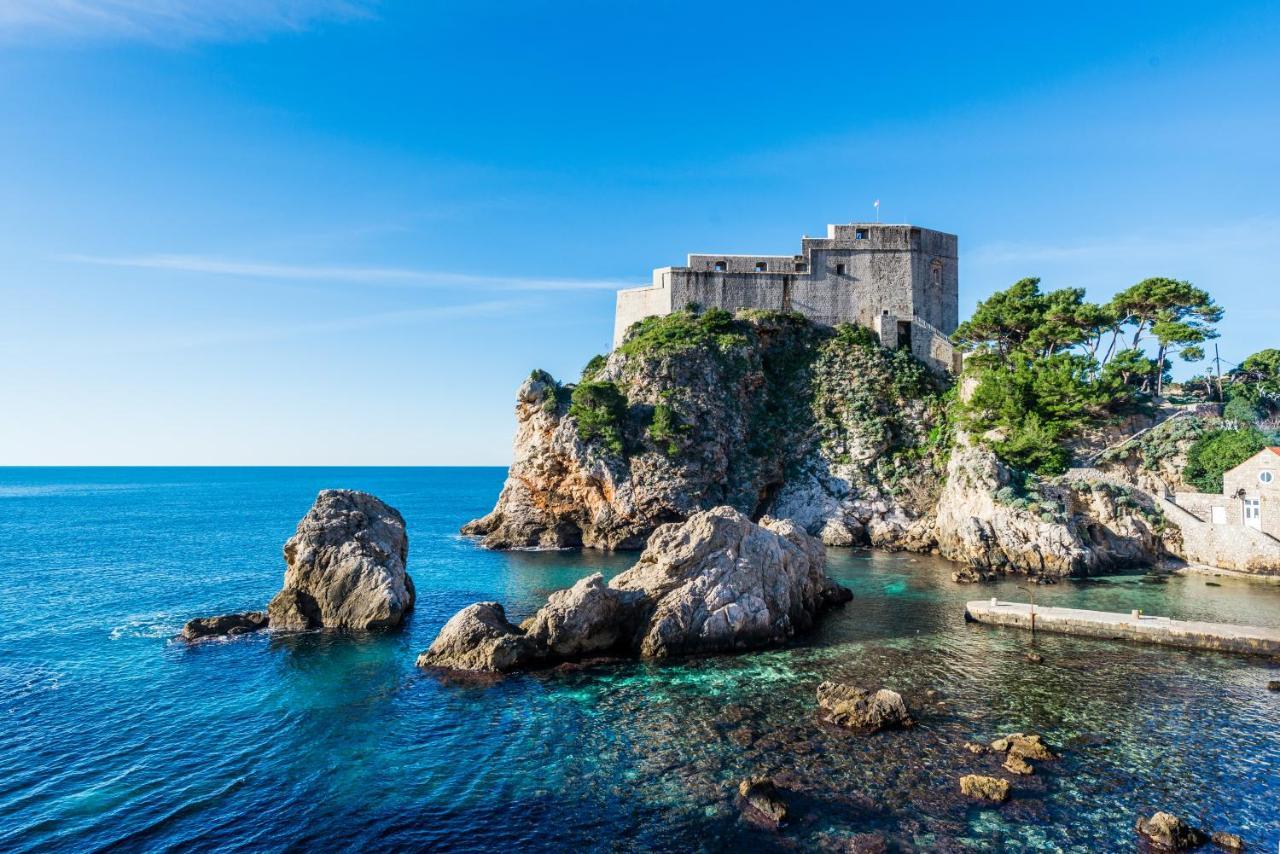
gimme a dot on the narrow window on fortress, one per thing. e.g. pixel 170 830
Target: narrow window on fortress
pixel 839 269
pixel 799 268
pixel 760 266
pixel 860 234
pixel 937 274
pixel 721 266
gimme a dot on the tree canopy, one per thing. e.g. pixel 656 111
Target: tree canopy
pixel 1047 364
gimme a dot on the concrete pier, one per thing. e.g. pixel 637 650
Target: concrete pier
pixel 1223 637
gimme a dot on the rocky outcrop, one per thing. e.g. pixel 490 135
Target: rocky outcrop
pixel 224 625
pixel 857 708
pixel 345 567
pixel 765 413
pixel 1227 841
pixel 985 788
pixel 1167 832
pixel 589 617
pixel 993 520
pixel 479 638
pixel 715 583
pixel 769 414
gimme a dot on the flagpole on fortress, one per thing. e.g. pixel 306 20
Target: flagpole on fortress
pixel 877 210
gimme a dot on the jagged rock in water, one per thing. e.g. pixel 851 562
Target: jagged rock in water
pixel 1063 529
pixel 715 583
pixel 720 582
pixel 761 796
pixel 856 708
pixel 1169 833
pixel 479 638
pixel 586 618
pixel 985 788
pixel 224 624
pixel 345 567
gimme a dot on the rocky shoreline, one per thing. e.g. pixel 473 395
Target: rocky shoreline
pixel 860 452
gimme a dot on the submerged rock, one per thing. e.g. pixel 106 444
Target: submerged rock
pixel 760 796
pixel 224 624
pixel 1170 833
pixel 1024 746
pixel 1227 841
pixel 1017 765
pixel 857 708
pixel 715 583
pixel 985 788
pixel 345 566
pixel 479 638
pixel 1273 685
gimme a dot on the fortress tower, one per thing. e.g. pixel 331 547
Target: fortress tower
pixel 900 281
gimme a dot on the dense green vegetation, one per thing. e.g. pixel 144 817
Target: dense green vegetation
pixel 1217 452
pixel 600 409
pixel 663 335
pixel 1048 365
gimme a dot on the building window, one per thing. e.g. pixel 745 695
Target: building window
pixel 721 266
pixel 1264 477
pixel 937 274
pixel 859 234
pixel 799 268
pixel 760 266
pixel 839 269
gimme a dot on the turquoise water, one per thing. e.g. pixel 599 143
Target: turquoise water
pixel 116 736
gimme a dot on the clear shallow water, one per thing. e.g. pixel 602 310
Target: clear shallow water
pixel 116 736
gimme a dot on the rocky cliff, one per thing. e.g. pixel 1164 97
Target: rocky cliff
pixel 769 414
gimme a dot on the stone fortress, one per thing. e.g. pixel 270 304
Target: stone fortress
pixel 899 281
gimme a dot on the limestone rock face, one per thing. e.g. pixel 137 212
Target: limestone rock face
pixel 588 617
pixel 345 567
pixel 224 624
pixel 772 416
pixel 1169 833
pixel 720 582
pixel 856 708
pixel 1058 529
pixel 479 638
pixel 715 583
pixel 985 788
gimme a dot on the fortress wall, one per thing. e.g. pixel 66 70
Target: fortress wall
pixel 635 304
pixel 730 291
pixel 745 263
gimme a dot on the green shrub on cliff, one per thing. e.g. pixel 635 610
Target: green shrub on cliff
pixel 600 410
pixel 1217 452
pixel 594 367
pixel 666 428
pixel 683 330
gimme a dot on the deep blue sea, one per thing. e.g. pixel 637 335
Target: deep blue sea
pixel 117 736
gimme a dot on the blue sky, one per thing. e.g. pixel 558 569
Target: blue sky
pixel 292 232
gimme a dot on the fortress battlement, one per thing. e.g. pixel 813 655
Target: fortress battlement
pixel 899 281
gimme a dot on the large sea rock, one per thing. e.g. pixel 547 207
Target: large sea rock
pixel 714 583
pixel 345 567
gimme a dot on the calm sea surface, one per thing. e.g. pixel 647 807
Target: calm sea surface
pixel 116 736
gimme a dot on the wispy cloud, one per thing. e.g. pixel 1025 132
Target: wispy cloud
pixel 164 20
pixel 387 276
pixel 174 341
